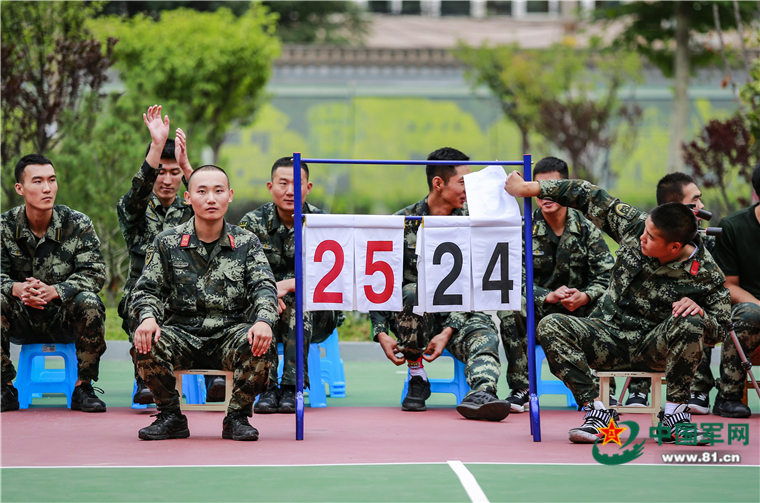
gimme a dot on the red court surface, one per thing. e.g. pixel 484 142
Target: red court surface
pixel 57 437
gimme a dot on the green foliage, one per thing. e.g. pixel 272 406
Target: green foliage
pixel 49 62
pixel 337 22
pixel 650 28
pixel 567 95
pixel 209 68
pixel 356 327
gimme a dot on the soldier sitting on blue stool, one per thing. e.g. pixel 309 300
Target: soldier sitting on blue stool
pixel 52 271
pixel 206 299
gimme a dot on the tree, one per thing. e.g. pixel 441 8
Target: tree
pixel 319 22
pixel 49 60
pixel 212 68
pixel 567 95
pixel 664 33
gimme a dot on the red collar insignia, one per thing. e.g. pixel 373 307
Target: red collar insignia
pixel 232 241
pixel 694 268
pixel 185 240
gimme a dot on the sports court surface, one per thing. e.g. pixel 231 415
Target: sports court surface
pixel 359 448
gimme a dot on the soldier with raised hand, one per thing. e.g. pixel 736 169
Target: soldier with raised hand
pixel 571 270
pixel 665 297
pixel 273 225
pixel 150 207
pixel 206 299
pixel 471 337
pixel 52 271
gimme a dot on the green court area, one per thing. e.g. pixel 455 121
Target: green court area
pixel 413 483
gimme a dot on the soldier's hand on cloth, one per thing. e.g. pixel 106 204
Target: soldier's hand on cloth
pixel 437 344
pixel 516 186
pixel 260 337
pixel 147 333
pixel 557 295
pixel 574 299
pixel 687 307
pixel 390 348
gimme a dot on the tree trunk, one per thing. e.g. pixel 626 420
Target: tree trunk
pixel 525 142
pixel 680 118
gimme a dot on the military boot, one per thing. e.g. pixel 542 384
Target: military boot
pixel 484 404
pixel 237 427
pixel 167 425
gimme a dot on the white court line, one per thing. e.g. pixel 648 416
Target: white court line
pixel 469 482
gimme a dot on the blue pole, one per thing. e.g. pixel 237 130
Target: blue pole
pixel 535 414
pixel 297 225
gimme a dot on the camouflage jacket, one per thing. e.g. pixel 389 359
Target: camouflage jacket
pixel 276 239
pixel 142 218
pixel 578 259
pixel 67 257
pixel 641 291
pixel 380 319
pixel 203 293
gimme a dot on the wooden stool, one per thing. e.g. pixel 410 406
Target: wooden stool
pixel 656 404
pixel 215 406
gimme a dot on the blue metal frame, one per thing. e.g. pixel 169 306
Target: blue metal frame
pixel 535 424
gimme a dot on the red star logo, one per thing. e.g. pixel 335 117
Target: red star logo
pixel 612 433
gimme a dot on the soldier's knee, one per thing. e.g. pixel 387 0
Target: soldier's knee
pixel 691 327
pixel 88 302
pixel 746 313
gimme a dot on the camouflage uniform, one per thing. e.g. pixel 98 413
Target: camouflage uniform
pixel 141 219
pixel 279 247
pixel 578 259
pixel 68 258
pixel 475 341
pixel 737 254
pixel 632 326
pixel 205 305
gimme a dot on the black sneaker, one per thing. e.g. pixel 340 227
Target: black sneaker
pixel 519 400
pixel 216 389
pixel 419 391
pixel 730 408
pixel 484 404
pixel 637 400
pixel 84 399
pixel 699 403
pixel 237 427
pixel 167 425
pixel 287 400
pixel 10 398
pixel 681 427
pixel 269 401
pixel 613 400
pixel 143 395
pixel 593 422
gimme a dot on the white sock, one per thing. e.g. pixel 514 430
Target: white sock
pixel 599 405
pixel 416 369
pixel 670 408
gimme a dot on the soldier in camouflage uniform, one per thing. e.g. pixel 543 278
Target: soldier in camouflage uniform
pixel 737 254
pixel 666 296
pixel 52 271
pixel 471 337
pixel 681 188
pixel 273 225
pixel 206 299
pixel 150 207
pixel 571 270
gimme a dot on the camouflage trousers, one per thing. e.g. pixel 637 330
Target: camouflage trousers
pixel 129 324
pixel 476 343
pixel 317 326
pixel 574 346
pixel 514 337
pixel 230 352
pixel 746 319
pixel 80 320
pixel 702 382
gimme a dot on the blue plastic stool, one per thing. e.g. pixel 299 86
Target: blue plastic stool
pixel 193 387
pixel 456 385
pixel 551 386
pixel 33 379
pixel 332 366
pixel 317 396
